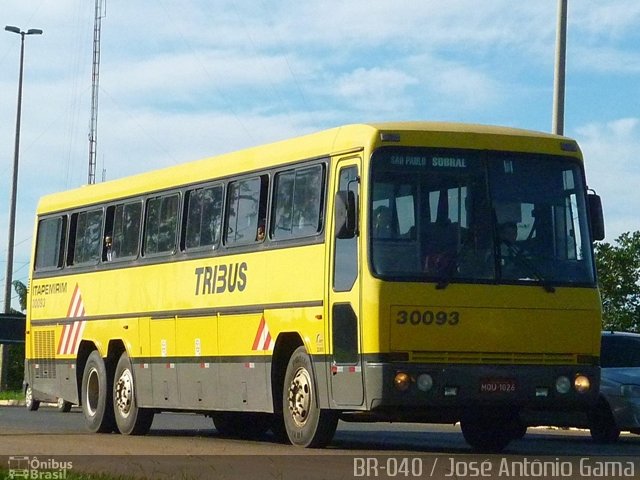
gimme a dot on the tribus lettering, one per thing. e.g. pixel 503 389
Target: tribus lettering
pixel 221 278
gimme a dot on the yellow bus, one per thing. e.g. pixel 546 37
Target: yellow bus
pixel 417 272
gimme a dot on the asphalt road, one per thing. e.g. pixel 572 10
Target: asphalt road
pixel 187 446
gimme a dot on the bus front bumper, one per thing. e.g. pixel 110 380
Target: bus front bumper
pixel 435 389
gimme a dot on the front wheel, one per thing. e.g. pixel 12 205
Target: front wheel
pixel 97 405
pixel 306 424
pixel 130 418
pixel 488 434
pixel 602 424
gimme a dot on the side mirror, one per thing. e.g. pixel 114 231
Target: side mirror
pixel 345 214
pixel 596 216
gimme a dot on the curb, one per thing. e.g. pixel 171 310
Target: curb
pixel 12 403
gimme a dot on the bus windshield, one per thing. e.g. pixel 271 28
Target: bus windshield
pixel 470 216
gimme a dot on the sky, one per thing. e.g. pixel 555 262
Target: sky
pixel 182 80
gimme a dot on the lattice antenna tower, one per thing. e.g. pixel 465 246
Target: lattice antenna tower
pixel 100 13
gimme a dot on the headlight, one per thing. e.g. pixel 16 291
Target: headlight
pixel 402 381
pixel 581 383
pixel 630 390
pixel 425 382
pixel 563 385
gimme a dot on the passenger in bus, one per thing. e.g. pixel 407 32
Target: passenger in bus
pixel 108 248
pixel 382 222
pixel 508 233
pixel 261 232
pixel 509 251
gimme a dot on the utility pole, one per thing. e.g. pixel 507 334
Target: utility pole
pixel 95 83
pixel 14 194
pixel 560 67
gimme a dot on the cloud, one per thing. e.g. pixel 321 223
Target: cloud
pixel 605 20
pixel 383 90
pixel 610 150
pixel 606 60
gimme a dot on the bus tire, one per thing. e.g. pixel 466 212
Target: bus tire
pixel 602 424
pixel 306 424
pixel 490 434
pixel 30 402
pixel 97 405
pixel 63 406
pixel 130 418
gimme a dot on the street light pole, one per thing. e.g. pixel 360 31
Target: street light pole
pixel 560 67
pixel 14 187
pixel 16 156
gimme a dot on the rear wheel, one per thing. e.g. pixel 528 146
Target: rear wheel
pixel 306 424
pixel 97 405
pixel 30 402
pixel 130 418
pixel 63 406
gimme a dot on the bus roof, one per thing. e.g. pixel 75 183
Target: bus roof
pixel 315 145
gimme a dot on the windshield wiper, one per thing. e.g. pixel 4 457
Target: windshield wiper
pixel 531 269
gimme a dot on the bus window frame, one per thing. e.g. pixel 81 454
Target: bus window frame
pixel 265 196
pixel 114 205
pixel 323 200
pixel 186 195
pixel 72 227
pixel 176 244
pixel 62 246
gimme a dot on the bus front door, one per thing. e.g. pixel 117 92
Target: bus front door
pixel 344 301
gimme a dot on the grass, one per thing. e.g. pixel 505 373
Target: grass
pixel 12 395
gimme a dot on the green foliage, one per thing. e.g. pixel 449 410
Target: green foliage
pixel 11 395
pixel 15 367
pixel 619 280
pixel 21 290
pixel 15 355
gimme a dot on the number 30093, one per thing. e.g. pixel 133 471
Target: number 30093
pixel 427 317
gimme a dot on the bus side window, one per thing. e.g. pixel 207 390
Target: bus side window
pixel 122 231
pixel 203 218
pixel 297 203
pixel 246 211
pixel 50 243
pixel 85 235
pixel 160 230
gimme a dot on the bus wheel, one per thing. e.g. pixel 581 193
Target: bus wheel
pixel 307 425
pixel 240 424
pixel 96 396
pixel 63 406
pixel 130 419
pixel 31 403
pixel 602 425
pixel 489 434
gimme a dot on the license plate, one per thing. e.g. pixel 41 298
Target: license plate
pixel 497 385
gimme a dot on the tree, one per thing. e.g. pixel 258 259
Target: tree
pixel 619 280
pixel 21 290
pixel 15 353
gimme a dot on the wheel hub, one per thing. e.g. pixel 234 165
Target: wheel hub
pixel 124 393
pixel 93 392
pixel 300 396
